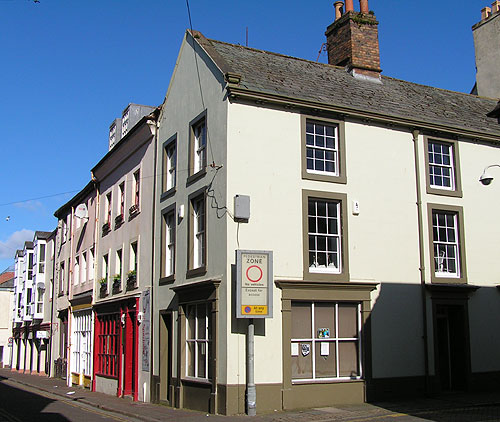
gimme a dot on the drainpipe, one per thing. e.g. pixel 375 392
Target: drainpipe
pixel 152 387
pixel 52 305
pixel 415 134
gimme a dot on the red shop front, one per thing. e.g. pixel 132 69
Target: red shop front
pixel 116 346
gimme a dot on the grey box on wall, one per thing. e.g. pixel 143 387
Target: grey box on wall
pixel 242 208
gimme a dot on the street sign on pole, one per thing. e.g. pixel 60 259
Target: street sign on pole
pixel 254 292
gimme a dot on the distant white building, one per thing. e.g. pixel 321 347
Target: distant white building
pixel 6 312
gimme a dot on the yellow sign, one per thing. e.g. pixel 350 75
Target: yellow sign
pixel 253 310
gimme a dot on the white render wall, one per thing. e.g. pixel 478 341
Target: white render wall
pixel 264 161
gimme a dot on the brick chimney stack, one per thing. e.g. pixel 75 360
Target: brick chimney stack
pixel 352 41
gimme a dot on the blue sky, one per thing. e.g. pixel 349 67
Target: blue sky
pixel 68 68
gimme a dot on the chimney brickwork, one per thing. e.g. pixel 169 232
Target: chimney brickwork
pixel 352 41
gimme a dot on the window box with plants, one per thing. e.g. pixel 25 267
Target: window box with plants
pixel 106 227
pixel 117 283
pixel 133 211
pixel 118 220
pixel 103 287
pixel 131 279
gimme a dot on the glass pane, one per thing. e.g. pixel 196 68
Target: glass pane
pixel 322 225
pixel 348 320
pixel 301 320
pixel 320 129
pixel 310 139
pixel 329 130
pixel 348 359
pixel 191 321
pixel 321 208
pixel 324 320
pixel 190 358
pixel 201 318
pixel 302 364
pixel 325 359
pixel 309 128
pixel 202 351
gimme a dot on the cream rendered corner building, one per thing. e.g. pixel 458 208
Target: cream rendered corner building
pixel 366 190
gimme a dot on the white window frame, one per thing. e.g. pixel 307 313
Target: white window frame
pixel 432 144
pixel 91 264
pixel 137 187
pixel 334 339
pixel 199 145
pixel 197 340
pixel 199 232
pixel 316 235
pixel 76 271
pixel 169 243
pixel 83 268
pixel 441 246
pixel 171 164
pixel 314 147
pixel 133 261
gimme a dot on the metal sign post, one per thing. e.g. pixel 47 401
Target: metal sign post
pixel 254 299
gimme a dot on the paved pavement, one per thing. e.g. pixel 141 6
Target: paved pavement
pixel 464 407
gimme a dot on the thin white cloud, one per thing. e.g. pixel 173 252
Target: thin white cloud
pixel 29 205
pixel 14 242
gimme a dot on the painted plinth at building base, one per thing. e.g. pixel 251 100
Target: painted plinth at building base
pixel 116 346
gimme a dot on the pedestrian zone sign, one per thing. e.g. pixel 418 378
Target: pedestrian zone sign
pixel 254 293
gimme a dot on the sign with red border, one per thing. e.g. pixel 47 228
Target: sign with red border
pixel 254 281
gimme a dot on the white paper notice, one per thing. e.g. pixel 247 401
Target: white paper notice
pixel 325 349
pixel 295 349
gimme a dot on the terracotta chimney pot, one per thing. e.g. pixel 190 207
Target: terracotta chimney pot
pixel 338 9
pixel 485 13
pixel 495 6
pixel 363 6
pixel 349 6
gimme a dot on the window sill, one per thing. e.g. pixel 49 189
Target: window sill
pixel 167 194
pixel 324 177
pixel 457 193
pixel 195 272
pixel 167 280
pixel 327 381
pixel 203 381
pixel 194 177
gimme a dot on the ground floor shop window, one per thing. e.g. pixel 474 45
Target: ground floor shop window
pixel 81 361
pixel 197 340
pixel 325 341
pixel 108 344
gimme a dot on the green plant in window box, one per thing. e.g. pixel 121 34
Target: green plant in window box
pixel 131 279
pixel 103 286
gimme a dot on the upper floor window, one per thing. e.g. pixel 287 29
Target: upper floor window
pixel 443 176
pixel 61 277
pixel 83 268
pixel 325 248
pixel 137 187
pixel 200 143
pixel 76 271
pixel 198 232
pixel 448 253
pixel 169 165
pixel 168 243
pixel 324 236
pixel 122 199
pixel 108 207
pixel 323 150
pixel 133 257
pixel 91 263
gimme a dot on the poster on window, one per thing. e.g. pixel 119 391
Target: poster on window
pixel 145 327
pixel 254 284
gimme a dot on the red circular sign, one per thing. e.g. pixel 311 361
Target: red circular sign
pixel 254 280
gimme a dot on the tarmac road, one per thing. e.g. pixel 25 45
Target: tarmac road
pixel 25 404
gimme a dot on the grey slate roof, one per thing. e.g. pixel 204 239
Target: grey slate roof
pixel 274 74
